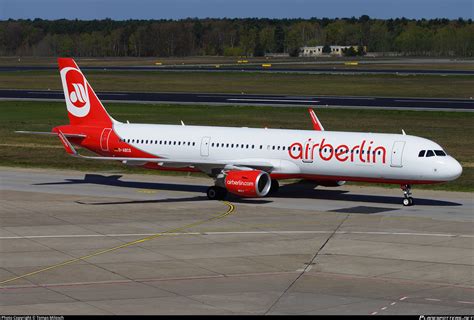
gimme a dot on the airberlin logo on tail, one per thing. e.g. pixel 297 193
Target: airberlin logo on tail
pixel 75 92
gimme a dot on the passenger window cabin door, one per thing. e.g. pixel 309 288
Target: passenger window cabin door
pixel 397 154
pixel 205 146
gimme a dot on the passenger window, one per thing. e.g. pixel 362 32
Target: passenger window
pixel 253 146
pixel 430 153
pixel 261 147
pixel 194 143
pixel 440 153
pixel 421 154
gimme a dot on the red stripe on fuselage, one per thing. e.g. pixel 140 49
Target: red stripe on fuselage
pixel 282 176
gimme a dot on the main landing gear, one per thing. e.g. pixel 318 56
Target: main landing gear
pixel 216 193
pixel 274 187
pixel 407 199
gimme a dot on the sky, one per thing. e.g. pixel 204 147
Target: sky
pixel 179 9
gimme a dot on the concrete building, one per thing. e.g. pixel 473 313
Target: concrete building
pixel 318 51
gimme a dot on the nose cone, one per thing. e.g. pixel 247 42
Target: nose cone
pixel 453 169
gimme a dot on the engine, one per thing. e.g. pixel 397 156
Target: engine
pixel 248 183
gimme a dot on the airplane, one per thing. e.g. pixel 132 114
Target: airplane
pixel 248 162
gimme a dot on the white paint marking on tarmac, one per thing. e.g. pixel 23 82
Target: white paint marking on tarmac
pixel 374 313
pixel 393 303
pixel 400 233
pixel 235 233
pixel 330 97
pixel 403 298
pixel 112 94
pixel 466 302
pixel 238 275
pixel 353 98
pixel 435 101
pixel 432 299
pixel 41 92
pixel 274 100
pixel 383 308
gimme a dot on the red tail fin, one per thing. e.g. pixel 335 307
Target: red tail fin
pixel 83 106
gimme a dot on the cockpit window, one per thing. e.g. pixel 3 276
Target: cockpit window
pixel 430 153
pixel 422 153
pixel 440 153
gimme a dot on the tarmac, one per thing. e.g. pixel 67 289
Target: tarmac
pixel 221 99
pixel 112 243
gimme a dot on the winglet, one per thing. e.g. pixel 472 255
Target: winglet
pixel 67 145
pixel 314 119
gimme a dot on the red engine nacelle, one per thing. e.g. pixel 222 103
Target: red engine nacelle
pixel 250 183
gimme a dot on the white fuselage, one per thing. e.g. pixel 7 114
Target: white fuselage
pixel 335 155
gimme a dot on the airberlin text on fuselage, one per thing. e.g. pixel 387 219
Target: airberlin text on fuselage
pixel 365 152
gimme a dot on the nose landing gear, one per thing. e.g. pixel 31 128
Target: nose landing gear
pixel 407 199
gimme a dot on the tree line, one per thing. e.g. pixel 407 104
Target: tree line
pixel 233 37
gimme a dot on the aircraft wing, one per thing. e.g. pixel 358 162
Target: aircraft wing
pixel 205 165
pixel 314 119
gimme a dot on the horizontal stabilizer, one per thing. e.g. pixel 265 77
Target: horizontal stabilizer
pixel 67 145
pixel 69 135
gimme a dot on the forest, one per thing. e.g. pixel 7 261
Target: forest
pixel 233 37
